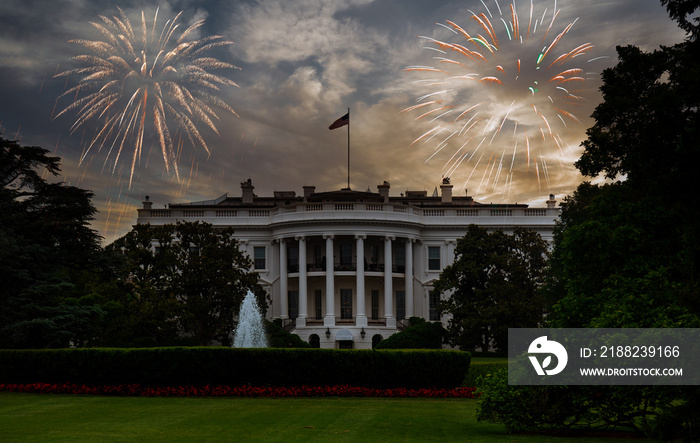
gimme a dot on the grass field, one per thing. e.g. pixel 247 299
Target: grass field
pixel 45 418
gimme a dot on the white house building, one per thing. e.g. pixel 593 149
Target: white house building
pixel 348 268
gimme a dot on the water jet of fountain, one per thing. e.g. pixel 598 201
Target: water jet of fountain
pixel 250 332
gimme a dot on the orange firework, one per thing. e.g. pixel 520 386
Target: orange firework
pixel 493 84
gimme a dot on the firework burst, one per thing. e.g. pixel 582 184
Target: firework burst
pixel 156 84
pixel 500 93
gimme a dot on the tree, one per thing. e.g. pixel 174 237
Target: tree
pixel 46 247
pixel 146 312
pixel 187 279
pixel 493 285
pixel 627 254
pixel 19 164
pixel 680 10
pixel 618 261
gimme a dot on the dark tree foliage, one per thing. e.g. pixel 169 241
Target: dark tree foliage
pixel 493 285
pixel 20 166
pixel 47 249
pixel 680 10
pixel 185 280
pixel 619 261
pixel 646 129
pixel 627 254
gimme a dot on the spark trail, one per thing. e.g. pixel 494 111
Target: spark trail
pixel 145 87
pixel 507 84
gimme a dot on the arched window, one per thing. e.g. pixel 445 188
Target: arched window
pixel 376 339
pixel 314 341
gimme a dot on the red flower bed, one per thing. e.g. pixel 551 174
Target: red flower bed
pixel 237 391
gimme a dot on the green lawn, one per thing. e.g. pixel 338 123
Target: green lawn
pixel 40 417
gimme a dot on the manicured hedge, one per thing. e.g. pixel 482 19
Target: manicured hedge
pixel 237 391
pixel 236 367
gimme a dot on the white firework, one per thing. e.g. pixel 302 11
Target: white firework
pixel 157 84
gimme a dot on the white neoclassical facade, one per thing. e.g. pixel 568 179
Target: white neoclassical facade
pixel 348 268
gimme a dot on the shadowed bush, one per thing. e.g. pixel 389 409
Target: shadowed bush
pixel 279 338
pixel 480 369
pixel 420 335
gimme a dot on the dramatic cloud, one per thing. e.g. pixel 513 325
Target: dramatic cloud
pixel 303 64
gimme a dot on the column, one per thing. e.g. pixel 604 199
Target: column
pixel 388 287
pixel 409 277
pixel 329 320
pixel 303 295
pixel 361 317
pixel 284 291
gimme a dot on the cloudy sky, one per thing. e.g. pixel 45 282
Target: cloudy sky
pixel 303 63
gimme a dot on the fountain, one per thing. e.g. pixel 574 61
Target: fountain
pixel 250 332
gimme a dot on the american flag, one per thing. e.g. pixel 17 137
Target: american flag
pixel 342 121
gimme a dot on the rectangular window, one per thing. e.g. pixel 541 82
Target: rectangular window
pixel 318 296
pixel 373 254
pixel 293 304
pixel 345 256
pixel 293 258
pixel 400 257
pixel 400 305
pixel 319 262
pixel 346 304
pixel 375 305
pixel 259 257
pixel 434 258
pixel 433 299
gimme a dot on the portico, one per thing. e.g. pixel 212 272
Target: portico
pixel 348 268
pixel 349 277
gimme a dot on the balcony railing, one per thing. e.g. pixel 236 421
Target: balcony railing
pixel 535 212
pixel 226 213
pixel 293 268
pixel 384 211
pixel 160 213
pixel 501 212
pixel 315 323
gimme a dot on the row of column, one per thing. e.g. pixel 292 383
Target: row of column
pixel 361 317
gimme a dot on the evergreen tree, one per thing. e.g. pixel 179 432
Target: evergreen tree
pixel 46 246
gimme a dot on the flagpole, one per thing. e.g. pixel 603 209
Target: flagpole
pixel 342 121
pixel 348 148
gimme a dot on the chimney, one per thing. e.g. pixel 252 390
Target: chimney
pixel 147 204
pixel 247 188
pixel 446 190
pixel 308 190
pixel 384 191
pixel 551 203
